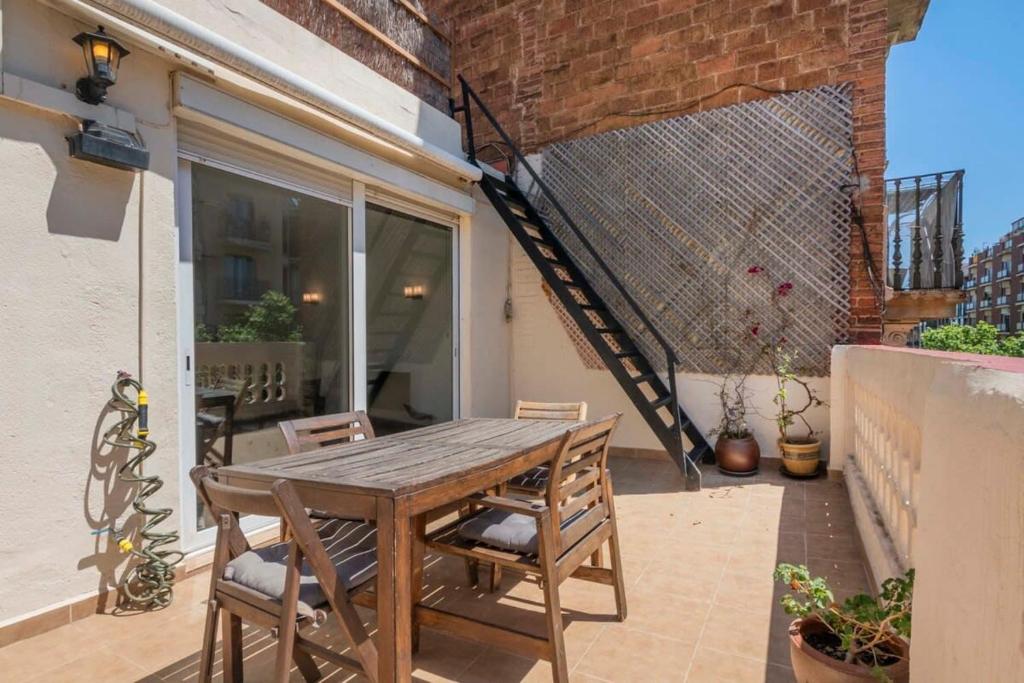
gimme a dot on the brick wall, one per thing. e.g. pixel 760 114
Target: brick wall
pixel 557 69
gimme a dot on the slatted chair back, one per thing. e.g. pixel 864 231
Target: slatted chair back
pixel 533 410
pixel 236 385
pixel 578 492
pixel 310 433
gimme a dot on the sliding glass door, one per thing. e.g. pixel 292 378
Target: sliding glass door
pixel 410 316
pixel 271 291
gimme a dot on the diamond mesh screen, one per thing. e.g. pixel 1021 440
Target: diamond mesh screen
pixel 679 209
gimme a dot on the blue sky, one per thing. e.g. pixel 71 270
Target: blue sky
pixel 955 99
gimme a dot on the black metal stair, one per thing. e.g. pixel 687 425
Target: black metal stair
pixel 656 402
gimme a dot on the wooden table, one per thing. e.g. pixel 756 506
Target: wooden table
pixel 396 480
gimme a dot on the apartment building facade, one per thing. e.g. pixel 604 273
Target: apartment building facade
pixel 995 283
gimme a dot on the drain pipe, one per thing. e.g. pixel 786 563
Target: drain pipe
pixel 180 30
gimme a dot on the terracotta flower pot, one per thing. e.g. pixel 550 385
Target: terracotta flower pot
pixel 800 456
pixel 737 456
pixel 812 666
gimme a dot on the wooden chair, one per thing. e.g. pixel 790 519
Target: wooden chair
pixel 535 481
pixel 552 540
pixel 285 585
pixel 310 433
pixel 212 427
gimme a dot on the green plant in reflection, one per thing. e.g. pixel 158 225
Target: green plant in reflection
pixel 271 319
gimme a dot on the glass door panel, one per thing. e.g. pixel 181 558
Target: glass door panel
pixel 409 321
pixel 271 295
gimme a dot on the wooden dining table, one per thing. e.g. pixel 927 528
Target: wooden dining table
pixel 396 480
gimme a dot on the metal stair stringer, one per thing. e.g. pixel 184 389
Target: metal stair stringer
pixel 659 405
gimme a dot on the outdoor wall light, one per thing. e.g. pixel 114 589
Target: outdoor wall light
pixel 413 291
pixel 102 57
pixel 311 298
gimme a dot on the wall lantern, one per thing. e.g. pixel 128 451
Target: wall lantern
pixel 102 57
pixel 413 291
pixel 311 298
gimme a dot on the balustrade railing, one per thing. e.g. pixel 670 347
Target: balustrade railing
pixel 925 231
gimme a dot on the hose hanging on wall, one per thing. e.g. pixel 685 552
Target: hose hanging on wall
pixel 150 580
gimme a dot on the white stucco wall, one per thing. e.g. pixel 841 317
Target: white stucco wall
pixel 547 367
pixel 88 270
pixel 490 340
pixel 88 278
pixel 950 430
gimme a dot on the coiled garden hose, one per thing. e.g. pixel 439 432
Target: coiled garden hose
pixel 150 580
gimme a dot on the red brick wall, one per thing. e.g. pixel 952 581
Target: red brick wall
pixel 556 69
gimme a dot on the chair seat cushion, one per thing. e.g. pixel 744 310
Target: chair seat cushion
pixel 204 419
pixel 506 530
pixel 351 545
pixel 535 479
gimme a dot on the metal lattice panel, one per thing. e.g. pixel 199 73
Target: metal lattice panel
pixel 681 208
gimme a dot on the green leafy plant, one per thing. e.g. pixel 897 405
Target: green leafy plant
pixel 271 319
pixel 982 338
pixel 790 407
pixel 865 626
pixel 793 395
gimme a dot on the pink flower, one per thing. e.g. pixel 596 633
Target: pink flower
pixel 755 329
pixel 754 270
pixel 784 288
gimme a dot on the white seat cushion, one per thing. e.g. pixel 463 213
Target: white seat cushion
pixel 351 545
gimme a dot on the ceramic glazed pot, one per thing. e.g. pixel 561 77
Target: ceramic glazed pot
pixel 800 456
pixel 811 666
pixel 737 456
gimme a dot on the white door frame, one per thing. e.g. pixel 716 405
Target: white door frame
pixel 459 229
pixel 191 537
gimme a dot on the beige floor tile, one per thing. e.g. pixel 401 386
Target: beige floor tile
pixel 698 570
pixel 713 666
pixel 744 590
pixel 625 656
pixel 667 615
pixel 497 665
pixel 100 665
pixel 842 546
pixel 738 632
pixel 845 578
pixel 685 581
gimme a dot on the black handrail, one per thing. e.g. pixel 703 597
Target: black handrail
pixel 467 94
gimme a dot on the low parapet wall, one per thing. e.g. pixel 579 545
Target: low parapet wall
pixel 933 445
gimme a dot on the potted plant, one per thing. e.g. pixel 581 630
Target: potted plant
pixel 801 455
pixel 736 450
pixel 862 639
pixel 794 396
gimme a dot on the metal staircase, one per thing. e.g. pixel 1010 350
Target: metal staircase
pixel 656 402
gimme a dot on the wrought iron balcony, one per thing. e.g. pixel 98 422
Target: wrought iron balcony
pixel 1002 300
pixel 925 231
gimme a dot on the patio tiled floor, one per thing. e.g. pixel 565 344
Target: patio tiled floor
pixel 702 605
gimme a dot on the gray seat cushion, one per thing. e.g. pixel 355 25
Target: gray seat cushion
pixel 351 545
pixel 535 479
pixel 507 530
